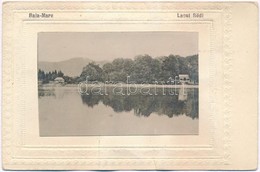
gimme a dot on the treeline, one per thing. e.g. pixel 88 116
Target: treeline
pixel 143 68
pixel 46 77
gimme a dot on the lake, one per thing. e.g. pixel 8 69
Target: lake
pixel 63 111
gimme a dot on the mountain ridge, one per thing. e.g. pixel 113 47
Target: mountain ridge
pixel 71 67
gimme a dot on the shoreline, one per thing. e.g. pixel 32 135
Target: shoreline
pixel 117 85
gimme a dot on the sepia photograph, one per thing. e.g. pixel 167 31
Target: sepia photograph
pixel 128 85
pixel 118 83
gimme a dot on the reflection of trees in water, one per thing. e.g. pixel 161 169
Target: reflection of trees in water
pixel 45 93
pixel 57 93
pixel 144 105
pixel 91 100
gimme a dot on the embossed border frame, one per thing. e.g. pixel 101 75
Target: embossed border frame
pixel 10 147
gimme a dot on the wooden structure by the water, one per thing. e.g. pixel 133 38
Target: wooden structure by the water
pixel 182 94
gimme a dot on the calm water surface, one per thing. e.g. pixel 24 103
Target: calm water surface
pixel 64 112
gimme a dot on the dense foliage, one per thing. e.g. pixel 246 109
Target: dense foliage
pixel 142 68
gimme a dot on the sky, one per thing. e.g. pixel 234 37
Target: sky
pixel 106 46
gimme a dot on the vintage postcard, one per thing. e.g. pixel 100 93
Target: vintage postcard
pixel 104 83
pixel 129 86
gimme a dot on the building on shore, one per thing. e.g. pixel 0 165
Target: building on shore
pixel 184 78
pixel 59 80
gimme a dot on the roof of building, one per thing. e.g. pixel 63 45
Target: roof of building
pixel 59 78
pixel 183 75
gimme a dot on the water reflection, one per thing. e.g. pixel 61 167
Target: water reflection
pixel 184 102
pixel 64 112
pixel 145 105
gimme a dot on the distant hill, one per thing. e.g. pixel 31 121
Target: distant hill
pixel 71 67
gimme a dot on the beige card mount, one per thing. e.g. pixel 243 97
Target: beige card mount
pixel 129 86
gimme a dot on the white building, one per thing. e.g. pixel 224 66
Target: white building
pixel 59 80
pixel 184 78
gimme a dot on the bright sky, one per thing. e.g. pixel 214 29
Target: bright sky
pixel 99 46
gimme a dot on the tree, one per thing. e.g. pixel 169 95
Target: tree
pixel 46 77
pixel 193 68
pixel 170 67
pixel 128 66
pixel 118 70
pixel 60 74
pixel 41 75
pixel 142 69
pixel 118 64
pixel 183 65
pixel 93 72
pixel 108 68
